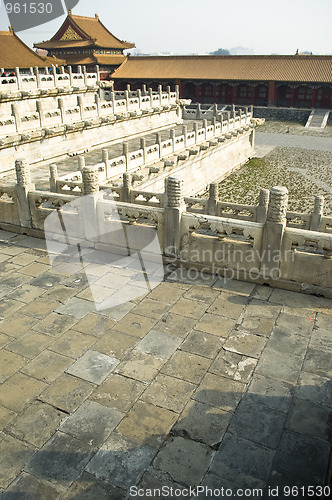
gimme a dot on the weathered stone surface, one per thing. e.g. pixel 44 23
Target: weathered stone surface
pixel 168 392
pixel 247 344
pixel 9 364
pixel 78 308
pixel 92 423
pixel 219 392
pixel 47 366
pixel 121 461
pixel 309 419
pixel 230 307
pixel 189 308
pixel 159 344
pixel 272 393
pixel 55 324
pixel 259 424
pixel 203 344
pixel 61 460
pixel 279 365
pixel 19 391
pixel 88 487
pixel 27 425
pixel 29 345
pixel 137 371
pixel 93 366
pixel 136 325
pixel 72 344
pixel 118 392
pixel 152 308
pixel 10 467
pixel 17 324
pixel 175 325
pixel 203 423
pixel 147 424
pixel 67 393
pixel 184 460
pixel 27 485
pixel 242 462
pixel 234 366
pixel 186 366
pixel 215 324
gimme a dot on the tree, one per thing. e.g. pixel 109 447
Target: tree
pixel 220 52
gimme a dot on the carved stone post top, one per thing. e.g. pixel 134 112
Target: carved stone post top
pixel 104 153
pixel 53 171
pixel 79 69
pixel 195 126
pixel 150 91
pixel 23 175
pixel 81 162
pixel 213 120
pixel 97 69
pixel 14 108
pixel 69 69
pixel 214 191
pixel 80 100
pixel 184 129
pixel 319 204
pixel 126 180
pixel 158 137
pixel 264 195
pixel 198 105
pixel 126 94
pixel 125 148
pixel 160 88
pixel 60 102
pixel 174 192
pixel 84 69
pixel 90 177
pixel 138 92
pixel 278 204
pixel 143 142
pixel 205 123
pixel 128 87
pixel 39 105
pixel 172 133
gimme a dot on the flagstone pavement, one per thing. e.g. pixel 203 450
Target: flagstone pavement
pixel 209 382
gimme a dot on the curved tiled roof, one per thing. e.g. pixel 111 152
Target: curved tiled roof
pixel 90 29
pixel 14 53
pixel 298 68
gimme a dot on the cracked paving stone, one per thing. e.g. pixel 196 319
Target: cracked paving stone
pixel 203 423
pixel 19 391
pixel 280 365
pixel 242 462
pixel 184 460
pixel 203 344
pixel 61 460
pixel 67 393
pixel 220 392
pixel 290 324
pixel 78 308
pixel 118 392
pixel 233 365
pixel 246 344
pixel 121 461
pixel 215 324
pixel 92 423
pixel 186 366
pixel 55 324
pixel 147 424
pixel 259 424
pixel 274 394
pixel 168 392
pixel 159 344
pixel 93 366
pixel 13 456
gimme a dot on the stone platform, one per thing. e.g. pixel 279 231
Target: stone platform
pixel 202 381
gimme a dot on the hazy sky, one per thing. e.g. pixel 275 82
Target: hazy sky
pixel 198 26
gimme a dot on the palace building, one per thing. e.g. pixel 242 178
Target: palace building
pixel 86 41
pixel 15 54
pixel 300 81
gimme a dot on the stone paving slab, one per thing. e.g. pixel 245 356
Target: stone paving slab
pixel 212 382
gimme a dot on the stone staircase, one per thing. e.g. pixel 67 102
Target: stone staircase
pixel 318 118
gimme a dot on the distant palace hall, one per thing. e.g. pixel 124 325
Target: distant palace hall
pixel 299 81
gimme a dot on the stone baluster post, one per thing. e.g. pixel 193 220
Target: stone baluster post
pixel 151 97
pixel 139 97
pixel 97 69
pixel 90 178
pixel 37 75
pixel 158 141
pixel 53 178
pixel 228 126
pixel 79 69
pixel 126 96
pixel 215 109
pixel 213 123
pixel 195 129
pixel 55 82
pixel 184 133
pixel 113 102
pixel 80 104
pixel 144 91
pixel 41 113
pixel 85 76
pixel 97 101
pixel 126 188
pixel 246 115
pixel 316 216
pixel 251 110
pixel 174 208
pixel 205 124
pixel 22 188
pixel 125 148
pixel 168 90
pixel 273 232
pixel 263 204
pixel 143 147
pixel 198 111
pixel 172 137
pixel 18 78
pixel 62 70
pixel 62 110
pixel 177 93
pixel 233 111
pixel 70 73
pixel 81 163
pixel 212 205
pixel 160 92
pixel 128 87
pixel 17 117
pixel 105 159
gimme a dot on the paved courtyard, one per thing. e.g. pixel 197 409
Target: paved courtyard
pixel 207 382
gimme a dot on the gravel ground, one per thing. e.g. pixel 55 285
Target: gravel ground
pixel 294 128
pixel 306 173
